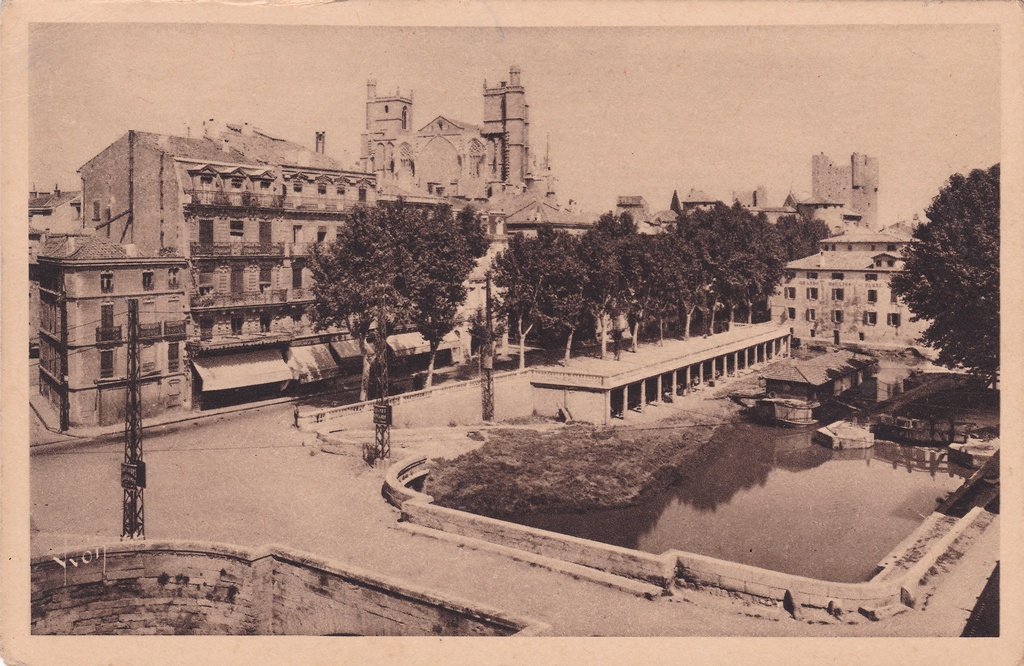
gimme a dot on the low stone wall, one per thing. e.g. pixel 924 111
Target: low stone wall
pixel 657 569
pixel 664 569
pixel 195 588
pixel 455 403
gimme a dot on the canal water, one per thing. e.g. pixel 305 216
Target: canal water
pixel 771 498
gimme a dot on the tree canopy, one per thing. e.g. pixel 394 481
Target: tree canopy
pixel 951 273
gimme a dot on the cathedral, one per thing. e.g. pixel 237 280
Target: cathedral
pixel 453 159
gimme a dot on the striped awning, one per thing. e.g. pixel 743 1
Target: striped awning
pixel 312 363
pixel 409 344
pixel 229 371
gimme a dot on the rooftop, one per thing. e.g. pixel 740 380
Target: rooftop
pixel 819 370
pixel 82 248
pixel 851 261
pixel 51 199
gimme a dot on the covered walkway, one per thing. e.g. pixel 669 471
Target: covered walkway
pixel 598 390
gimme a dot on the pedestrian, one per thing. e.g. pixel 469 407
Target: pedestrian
pixel 295 414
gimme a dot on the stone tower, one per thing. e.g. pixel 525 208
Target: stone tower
pixel 506 129
pixel 854 185
pixel 387 117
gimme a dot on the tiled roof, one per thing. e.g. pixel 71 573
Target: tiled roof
pixel 819 370
pixel 82 248
pixel 868 236
pixel 257 148
pixel 52 199
pixel 851 261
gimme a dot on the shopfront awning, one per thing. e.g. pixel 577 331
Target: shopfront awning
pixel 312 363
pixel 409 344
pixel 230 371
pixel 347 349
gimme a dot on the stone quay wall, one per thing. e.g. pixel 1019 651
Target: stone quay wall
pixel 201 588
pixel 699 570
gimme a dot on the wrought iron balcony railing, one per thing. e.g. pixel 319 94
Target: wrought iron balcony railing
pixel 174 329
pixel 235 199
pixel 108 334
pixel 296 294
pixel 267 297
pixel 150 332
pixel 238 249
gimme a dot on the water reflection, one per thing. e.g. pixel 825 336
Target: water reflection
pixel 770 497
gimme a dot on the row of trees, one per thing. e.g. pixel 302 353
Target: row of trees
pixel 713 263
pixel 395 266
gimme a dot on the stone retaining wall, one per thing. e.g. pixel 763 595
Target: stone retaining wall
pixel 664 569
pixel 195 588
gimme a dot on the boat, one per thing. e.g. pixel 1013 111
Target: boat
pixel 922 432
pixel 787 411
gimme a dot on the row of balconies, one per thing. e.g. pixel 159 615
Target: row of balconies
pixel 245 249
pixel 266 297
pixel 169 330
pixel 266 200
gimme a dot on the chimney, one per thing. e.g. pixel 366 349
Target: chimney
pixel 371 89
pixel 56 189
pixel 513 75
pixel 321 138
pixel 225 146
pixel 212 129
pixel 246 129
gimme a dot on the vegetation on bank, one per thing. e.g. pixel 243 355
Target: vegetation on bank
pixel 577 468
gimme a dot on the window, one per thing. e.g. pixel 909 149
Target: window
pixel 849 248
pixel 870 318
pixel 890 263
pixel 891 247
pixel 790 292
pixel 173 357
pixel 340 191
pixel 205 329
pixel 790 275
pixel 206 180
pixel 264 184
pixel 107 315
pixel 893 298
pixel 96 210
pixel 893 319
pixel 297 187
pixel 205 282
pixel 297 317
pixel 837 276
pixel 812 293
pixel 837 294
pixel 264 323
pixel 265 276
pixel 871 277
pixel 236 325
pixel 147 280
pixel 147 355
pixel 812 276
pixel 872 248
pixel 861 336
pixel 296 275
pixel 321 234
pixel 236 183
pixel 337 234
pixel 237 279
pixel 791 313
pixel 362 195
pixel 172 278
pixel 811 314
pixel 106 282
pixel 237 230
pixel 106 363
pixel 872 295
pixel 813 333
pixel 321 188
pixel 837 316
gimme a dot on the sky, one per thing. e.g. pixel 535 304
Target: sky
pixel 628 110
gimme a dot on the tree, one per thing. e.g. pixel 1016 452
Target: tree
pixel 362 280
pixel 600 254
pixel 799 235
pixel 445 249
pixel 951 273
pixel 562 306
pixel 519 274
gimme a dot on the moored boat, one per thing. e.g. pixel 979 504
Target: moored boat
pixel 787 411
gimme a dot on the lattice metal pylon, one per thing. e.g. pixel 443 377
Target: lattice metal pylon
pixel 133 469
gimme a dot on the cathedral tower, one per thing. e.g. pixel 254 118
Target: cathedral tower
pixel 506 129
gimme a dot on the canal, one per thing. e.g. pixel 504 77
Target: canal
pixel 771 498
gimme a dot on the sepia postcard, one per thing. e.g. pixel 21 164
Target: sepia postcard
pixel 614 332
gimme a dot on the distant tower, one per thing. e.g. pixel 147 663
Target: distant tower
pixel 856 185
pixel 506 129
pixel 387 117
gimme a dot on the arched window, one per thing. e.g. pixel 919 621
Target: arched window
pixel 385 108
pixel 405 118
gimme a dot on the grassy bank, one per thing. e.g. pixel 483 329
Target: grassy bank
pixel 578 468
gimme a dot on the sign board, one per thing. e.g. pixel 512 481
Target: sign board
pixel 382 415
pixel 133 475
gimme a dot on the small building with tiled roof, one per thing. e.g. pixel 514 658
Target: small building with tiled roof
pixel 819 378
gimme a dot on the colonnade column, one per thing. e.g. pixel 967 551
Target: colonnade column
pixel 657 397
pixel 643 394
pixel 675 382
pixel 700 373
pixel 687 385
pixel 736 363
pixel 608 406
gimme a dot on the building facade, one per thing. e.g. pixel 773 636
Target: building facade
pixel 842 296
pixel 854 185
pixel 85 283
pixel 49 214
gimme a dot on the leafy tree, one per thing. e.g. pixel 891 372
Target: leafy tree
pixel 562 307
pixel 445 249
pixel 683 277
pixel 603 278
pixel 362 281
pixel 519 273
pixel 799 235
pixel 951 273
